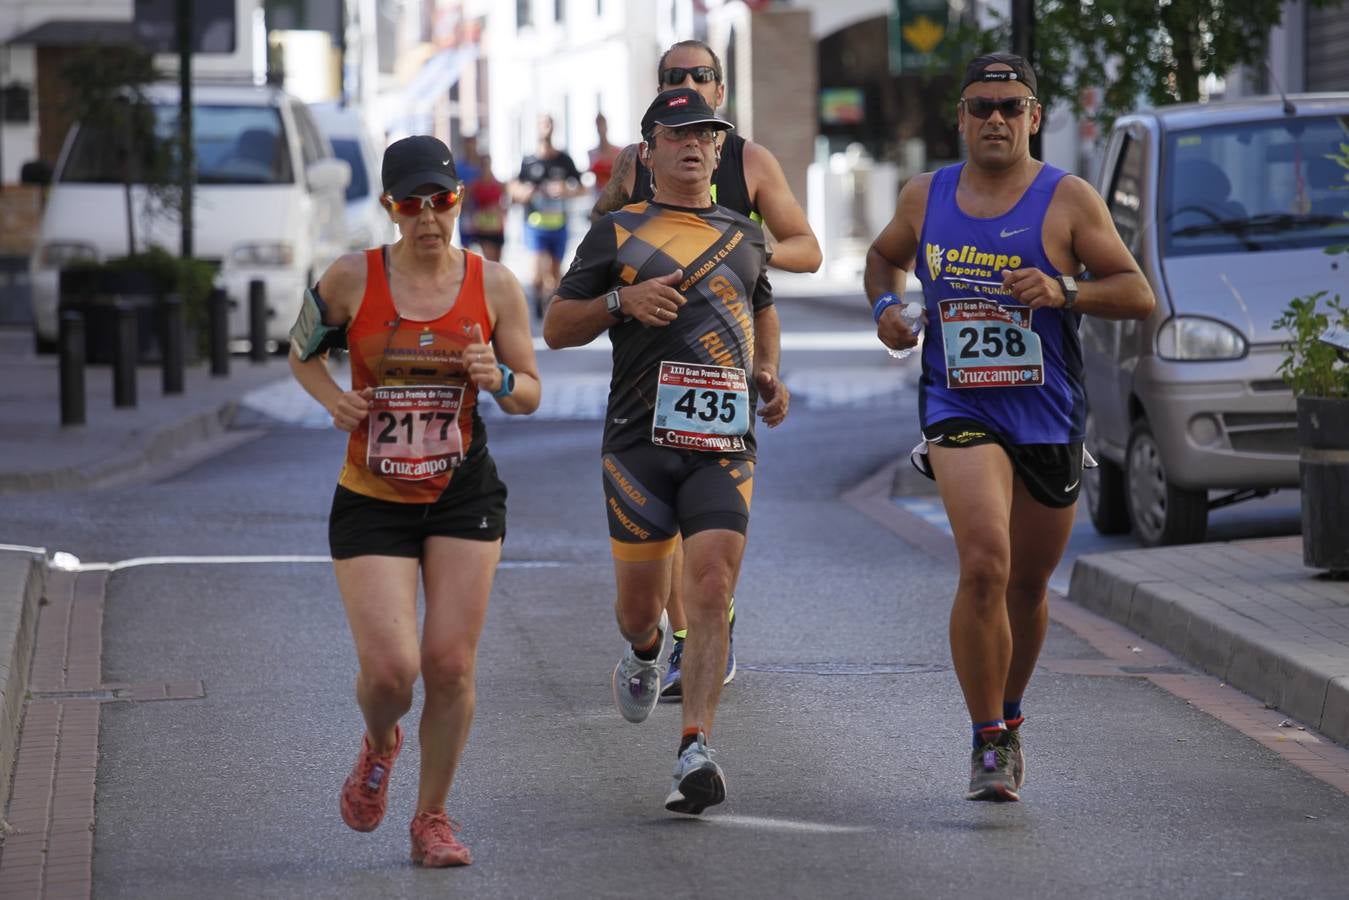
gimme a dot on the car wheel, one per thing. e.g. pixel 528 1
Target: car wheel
pixel 1161 513
pixel 1103 487
pixel 42 346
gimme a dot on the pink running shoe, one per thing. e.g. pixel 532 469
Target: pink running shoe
pixel 365 793
pixel 434 844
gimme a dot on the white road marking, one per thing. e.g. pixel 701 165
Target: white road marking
pixel 256 560
pixel 21 548
pixel 784 824
pixel 791 340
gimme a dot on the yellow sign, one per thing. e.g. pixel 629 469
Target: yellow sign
pixel 923 34
pixel 916 30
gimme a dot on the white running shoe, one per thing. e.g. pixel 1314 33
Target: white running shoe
pixel 637 681
pixel 698 782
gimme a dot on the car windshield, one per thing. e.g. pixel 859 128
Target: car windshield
pixel 233 144
pixel 349 151
pixel 1268 185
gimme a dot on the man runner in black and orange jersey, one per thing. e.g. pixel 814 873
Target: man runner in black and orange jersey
pixel 680 285
pixel 749 180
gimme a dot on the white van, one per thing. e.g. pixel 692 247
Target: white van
pixel 354 141
pixel 268 203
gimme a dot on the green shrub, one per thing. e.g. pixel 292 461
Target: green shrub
pixel 1313 368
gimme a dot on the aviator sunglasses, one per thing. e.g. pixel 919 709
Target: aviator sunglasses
pixel 983 107
pixel 675 75
pixel 413 204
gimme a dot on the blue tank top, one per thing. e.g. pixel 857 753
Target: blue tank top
pixel 986 357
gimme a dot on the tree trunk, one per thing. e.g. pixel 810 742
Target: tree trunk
pixel 1183 28
pixel 129 171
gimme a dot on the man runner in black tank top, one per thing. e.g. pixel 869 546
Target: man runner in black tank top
pixel 748 179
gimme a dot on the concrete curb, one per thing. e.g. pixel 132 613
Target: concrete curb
pixel 23 576
pixel 1288 671
pixel 159 448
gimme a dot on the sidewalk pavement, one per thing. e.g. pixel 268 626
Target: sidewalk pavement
pixel 1245 611
pixel 37 453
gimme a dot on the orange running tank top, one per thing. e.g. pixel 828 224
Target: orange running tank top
pixel 388 350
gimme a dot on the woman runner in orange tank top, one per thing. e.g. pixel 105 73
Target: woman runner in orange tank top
pixel 432 329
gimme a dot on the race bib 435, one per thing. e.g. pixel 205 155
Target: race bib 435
pixel 701 407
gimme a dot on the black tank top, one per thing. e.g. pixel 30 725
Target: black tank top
pixel 728 181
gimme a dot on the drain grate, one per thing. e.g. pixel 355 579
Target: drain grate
pixel 839 668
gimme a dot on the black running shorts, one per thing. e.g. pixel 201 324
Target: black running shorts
pixel 1052 473
pixel 654 493
pixel 473 507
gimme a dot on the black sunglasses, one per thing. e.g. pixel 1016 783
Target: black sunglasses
pixel 676 75
pixel 983 107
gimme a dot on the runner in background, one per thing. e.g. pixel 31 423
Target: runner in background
pixel 602 157
pixel 548 178
pixel 483 221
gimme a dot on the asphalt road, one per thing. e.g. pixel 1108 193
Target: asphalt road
pixel 843 738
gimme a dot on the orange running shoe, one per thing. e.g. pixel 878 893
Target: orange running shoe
pixel 365 794
pixel 434 844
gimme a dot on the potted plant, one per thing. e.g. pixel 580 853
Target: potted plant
pixel 147 277
pixel 1316 367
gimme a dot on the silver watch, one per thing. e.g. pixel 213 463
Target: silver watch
pixel 614 304
pixel 1069 285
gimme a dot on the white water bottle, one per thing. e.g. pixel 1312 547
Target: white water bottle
pixel 912 314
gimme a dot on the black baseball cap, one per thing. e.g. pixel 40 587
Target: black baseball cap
pixel 679 107
pixel 978 70
pixel 414 161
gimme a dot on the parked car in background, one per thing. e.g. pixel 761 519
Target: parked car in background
pixel 353 140
pixel 267 204
pixel 1228 208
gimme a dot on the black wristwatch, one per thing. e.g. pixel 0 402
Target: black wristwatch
pixel 1069 285
pixel 614 304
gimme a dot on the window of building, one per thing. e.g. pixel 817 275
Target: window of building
pixel 524 13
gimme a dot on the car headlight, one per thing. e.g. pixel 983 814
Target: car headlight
pixel 269 253
pixel 1187 338
pixel 57 254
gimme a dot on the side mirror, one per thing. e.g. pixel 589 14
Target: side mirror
pixel 329 175
pixel 35 172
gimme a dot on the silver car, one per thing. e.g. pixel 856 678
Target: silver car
pixel 1228 208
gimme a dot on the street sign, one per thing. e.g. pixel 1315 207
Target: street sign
pixel 917 28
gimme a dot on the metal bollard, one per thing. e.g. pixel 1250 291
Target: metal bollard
pixel 124 354
pixel 71 343
pixel 218 307
pixel 257 320
pixel 171 342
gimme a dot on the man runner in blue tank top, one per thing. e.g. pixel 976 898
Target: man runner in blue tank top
pixel 749 180
pixel 999 243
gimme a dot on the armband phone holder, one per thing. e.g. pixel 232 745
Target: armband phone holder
pixel 309 335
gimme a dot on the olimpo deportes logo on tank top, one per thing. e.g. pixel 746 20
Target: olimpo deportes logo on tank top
pixel 969 267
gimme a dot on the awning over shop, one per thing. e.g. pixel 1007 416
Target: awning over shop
pixel 409 110
pixel 75 33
